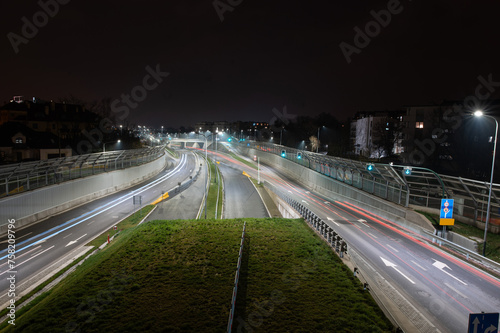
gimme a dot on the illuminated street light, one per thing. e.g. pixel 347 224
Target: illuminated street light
pixel 479 113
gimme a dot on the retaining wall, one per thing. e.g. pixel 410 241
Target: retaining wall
pixel 33 206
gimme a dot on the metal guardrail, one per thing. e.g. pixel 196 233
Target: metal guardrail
pixel 236 279
pixel 315 222
pixel 27 176
pixel 468 253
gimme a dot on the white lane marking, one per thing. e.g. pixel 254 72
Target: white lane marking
pixel 327 202
pixel 392 248
pixel 101 209
pixel 364 223
pixel 76 240
pixel 22 255
pixel 372 235
pixel 419 266
pixel 441 266
pixel 68 235
pixel 305 202
pixel 390 264
pixel 330 219
pixel 36 255
pixel 90 222
pixel 455 290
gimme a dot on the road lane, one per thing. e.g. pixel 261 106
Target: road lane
pixel 66 233
pixel 241 198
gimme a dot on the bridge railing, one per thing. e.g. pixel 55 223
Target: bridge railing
pixel 27 176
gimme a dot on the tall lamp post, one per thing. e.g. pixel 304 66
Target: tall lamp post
pixel 206 174
pixel 317 146
pixel 479 113
pixel 104 145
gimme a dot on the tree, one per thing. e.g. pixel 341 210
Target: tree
pixel 314 143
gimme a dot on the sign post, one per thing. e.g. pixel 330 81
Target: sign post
pixel 446 214
pixel 483 323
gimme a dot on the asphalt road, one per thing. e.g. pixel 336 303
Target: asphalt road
pixel 241 197
pixel 435 291
pixel 57 239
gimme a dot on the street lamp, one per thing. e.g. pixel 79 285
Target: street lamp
pixel 104 145
pixel 317 146
pixel 206 174
pixel 479 113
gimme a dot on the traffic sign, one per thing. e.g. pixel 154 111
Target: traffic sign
pixel 483 322
pixel 446 209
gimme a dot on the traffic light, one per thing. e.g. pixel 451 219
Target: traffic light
pixel 370 167
pixel 283 153
pixel 299 156
pixel 229 139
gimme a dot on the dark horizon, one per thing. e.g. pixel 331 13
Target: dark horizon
pixel 311 59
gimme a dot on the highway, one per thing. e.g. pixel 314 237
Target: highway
pixel 426 289
pixel 241 197
pixel 45 246
pixel 432 291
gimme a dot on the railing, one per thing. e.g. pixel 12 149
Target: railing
pixel 460 249
pixel 315 222
pixel 21 177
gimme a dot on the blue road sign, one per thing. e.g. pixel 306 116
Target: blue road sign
pixel 483 323
pixel 446 209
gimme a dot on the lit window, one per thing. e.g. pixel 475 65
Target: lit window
pixel 419 124
pixel 19 140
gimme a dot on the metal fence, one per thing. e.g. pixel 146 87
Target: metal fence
pixel 421 186
pixel 21 177
pixel 315 222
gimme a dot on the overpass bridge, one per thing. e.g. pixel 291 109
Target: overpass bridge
pixel 191 143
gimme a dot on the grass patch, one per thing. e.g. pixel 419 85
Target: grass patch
pixel 174 276
pixel 172 152
pixel 213 190
pixel 127 223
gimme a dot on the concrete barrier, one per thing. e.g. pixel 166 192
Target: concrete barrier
pixel 462 241
pixel 33 206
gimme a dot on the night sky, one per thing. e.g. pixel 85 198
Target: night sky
pixel 263 55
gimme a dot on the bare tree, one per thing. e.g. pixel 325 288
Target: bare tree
pixel 314 142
